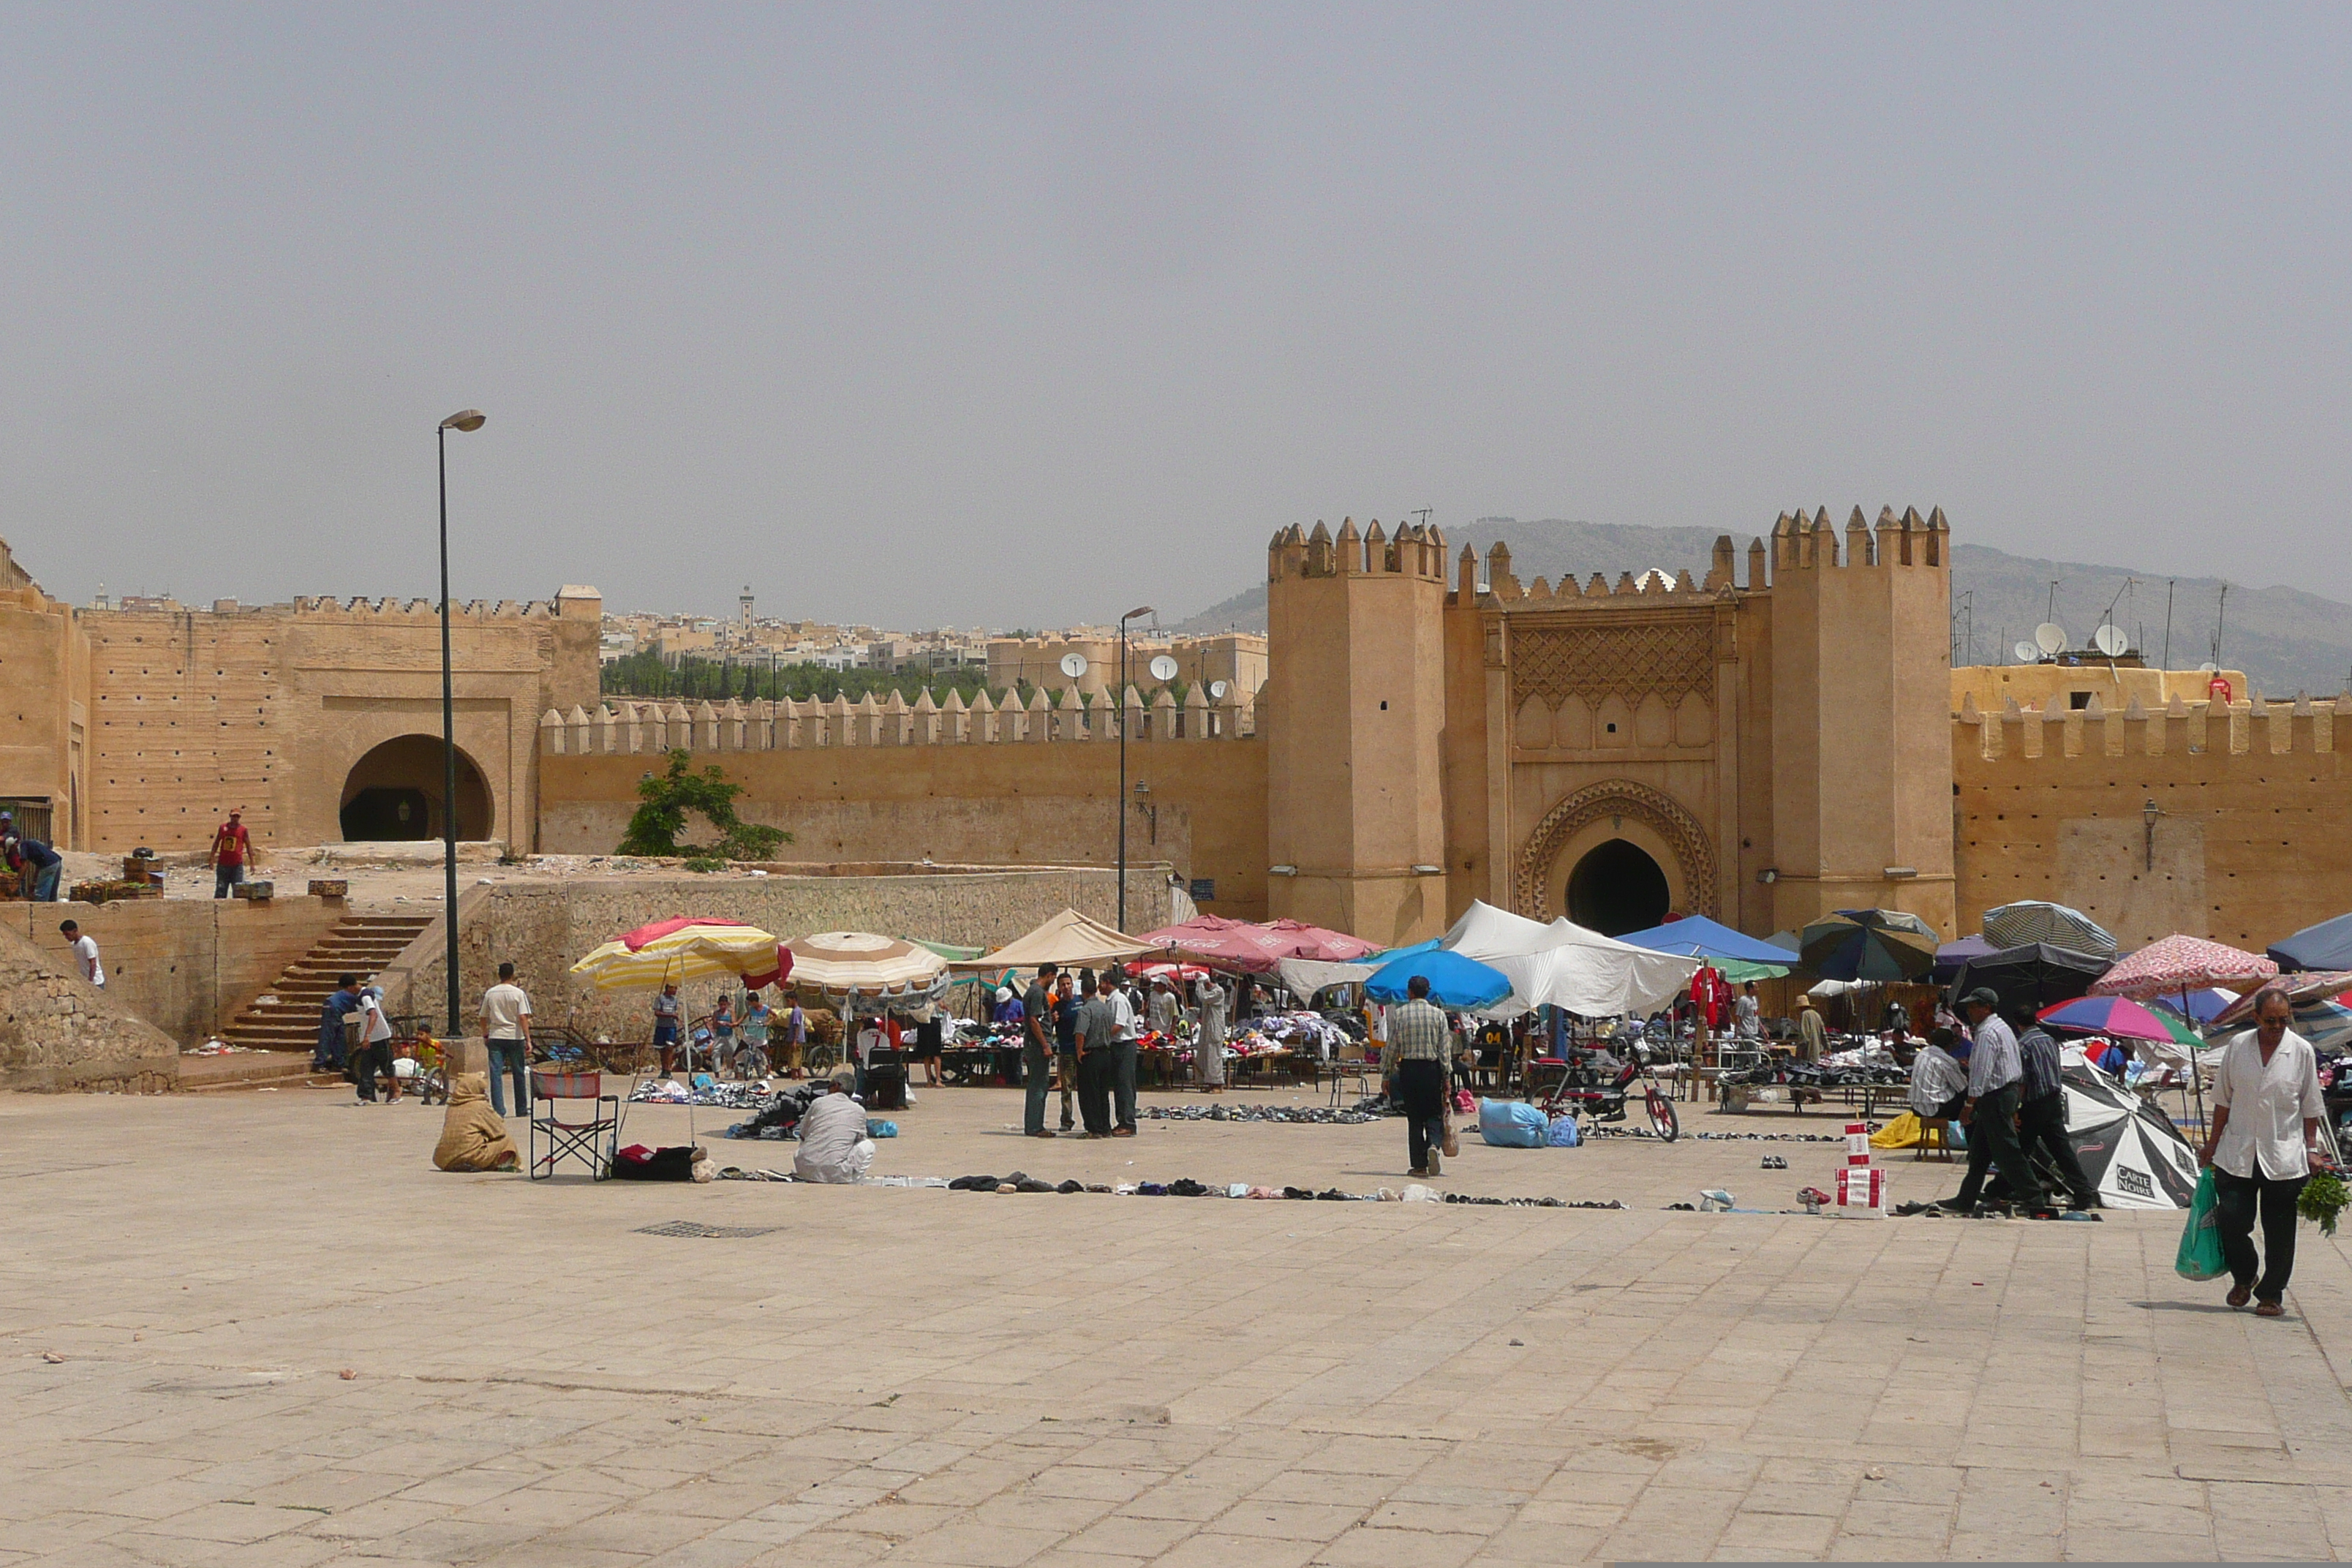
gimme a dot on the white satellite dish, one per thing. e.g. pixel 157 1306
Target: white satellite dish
pixel 1163 668
pixel 1074 665
pixel 2110 640
pixel 2050 637
pixel 2027 653
pixel 1217 689
pixel 2207 668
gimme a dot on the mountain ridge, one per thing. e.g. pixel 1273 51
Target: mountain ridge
pixel 2286 640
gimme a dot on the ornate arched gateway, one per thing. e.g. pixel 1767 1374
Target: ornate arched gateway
pixel 1655 815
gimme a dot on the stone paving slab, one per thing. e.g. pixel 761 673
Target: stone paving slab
pixel 940 1377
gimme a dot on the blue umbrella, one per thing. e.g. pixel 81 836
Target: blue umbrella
pixel 1695 936
pixel 2327 945
pixel 1453 981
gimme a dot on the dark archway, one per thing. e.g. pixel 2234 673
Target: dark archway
pixel 1617 888
pixel 394 792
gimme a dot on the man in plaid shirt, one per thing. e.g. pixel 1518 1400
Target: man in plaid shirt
pixel 1414 1059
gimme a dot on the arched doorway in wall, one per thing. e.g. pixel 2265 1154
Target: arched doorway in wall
pixel 1615 887
pixel 396 792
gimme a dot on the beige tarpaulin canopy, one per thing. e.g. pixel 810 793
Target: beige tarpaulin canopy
pixel 1068 938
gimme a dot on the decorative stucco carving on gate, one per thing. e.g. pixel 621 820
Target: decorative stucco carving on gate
pixel 1653 808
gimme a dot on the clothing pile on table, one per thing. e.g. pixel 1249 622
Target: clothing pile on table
pixel 1316 1114
pixel 705 1091
pixel 1311 1033
pixel 778 1117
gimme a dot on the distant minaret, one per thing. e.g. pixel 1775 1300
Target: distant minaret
pixel 745 601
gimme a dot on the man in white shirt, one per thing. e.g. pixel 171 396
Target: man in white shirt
pixel 833 1147
pixel 505 1031
pixel 1938 1082
pixel 374 1059
pixel 85 951
pixel 2266 1112
pixel 1122 1057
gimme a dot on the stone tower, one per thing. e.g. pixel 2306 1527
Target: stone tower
pixel 1355 716
pixel 1862 755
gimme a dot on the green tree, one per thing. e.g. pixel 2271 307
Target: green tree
pixel 654 826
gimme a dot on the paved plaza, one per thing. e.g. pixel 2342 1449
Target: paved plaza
pixel 259 1330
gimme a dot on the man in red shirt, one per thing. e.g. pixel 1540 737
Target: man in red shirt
pixel 232 847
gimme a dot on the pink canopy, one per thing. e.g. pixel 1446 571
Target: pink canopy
pixel 2180 964
pixel 1257 948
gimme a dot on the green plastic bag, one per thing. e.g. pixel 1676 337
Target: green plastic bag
pixel 2200 1239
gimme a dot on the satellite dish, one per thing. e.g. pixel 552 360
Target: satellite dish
pixel 1074 665
pixel 2207 668
pixel 2110 640
pixel 1163 668
pixel 2050 637
pixel 1217 689
pixel 2027 653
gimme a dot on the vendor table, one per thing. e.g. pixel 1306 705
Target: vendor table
pixel 981 1064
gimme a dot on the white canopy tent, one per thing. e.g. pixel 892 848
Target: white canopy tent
pixel 1565 965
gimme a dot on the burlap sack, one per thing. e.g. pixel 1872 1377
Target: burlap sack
pixel 473 1136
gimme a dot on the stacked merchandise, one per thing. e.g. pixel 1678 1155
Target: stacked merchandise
pixel 705 1091
pixel 781 1116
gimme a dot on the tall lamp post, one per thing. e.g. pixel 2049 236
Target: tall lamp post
pixel 1119 705
pixel 464 419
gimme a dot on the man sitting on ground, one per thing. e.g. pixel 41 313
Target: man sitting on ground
pixel 833 1147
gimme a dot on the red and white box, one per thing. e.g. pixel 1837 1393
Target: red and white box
pixel 1862 1193
pixel 1858 1142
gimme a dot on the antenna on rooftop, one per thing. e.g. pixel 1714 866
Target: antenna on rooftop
pixel 2220 612
pixel 2051 638
pixel 2026 653
pixel 2110 640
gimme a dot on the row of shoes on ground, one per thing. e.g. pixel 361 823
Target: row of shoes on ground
pixel 1316 1114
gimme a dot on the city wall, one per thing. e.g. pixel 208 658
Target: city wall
pixel 185 965
pixel 955 785
pixel 544 928
pixel 2246 844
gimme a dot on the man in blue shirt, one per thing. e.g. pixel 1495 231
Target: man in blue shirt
pixel 44 863
pixel 342 1002
pixel 1996 1089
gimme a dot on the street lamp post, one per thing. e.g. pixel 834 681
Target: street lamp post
pixel 1119 705
pixel 463 420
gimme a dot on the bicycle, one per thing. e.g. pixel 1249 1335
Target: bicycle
pixel 1579 1089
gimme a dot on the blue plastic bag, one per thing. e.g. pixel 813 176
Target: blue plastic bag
pixel 1512 1124
pixel 881 1129
pixel 2200 1255
pixel 1564 1133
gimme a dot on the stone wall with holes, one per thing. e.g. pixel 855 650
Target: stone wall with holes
pixel 906 783
pixel 544 928
pixel 58 1033
pixel 185 965
pixel 2246 845
pixel 271 708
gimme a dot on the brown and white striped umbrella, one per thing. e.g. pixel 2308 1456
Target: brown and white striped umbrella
pixel 841 964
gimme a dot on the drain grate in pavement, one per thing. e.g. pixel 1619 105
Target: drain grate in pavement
pixel 707 1232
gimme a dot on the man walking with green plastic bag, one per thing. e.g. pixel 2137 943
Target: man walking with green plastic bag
pixel 2266 1112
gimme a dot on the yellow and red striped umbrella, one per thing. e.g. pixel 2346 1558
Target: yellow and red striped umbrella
pixel 687 948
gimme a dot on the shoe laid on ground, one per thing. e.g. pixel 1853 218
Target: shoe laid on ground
pixel 2270 1310
pixel 2239 1296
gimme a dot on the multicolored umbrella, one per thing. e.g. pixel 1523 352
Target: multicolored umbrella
pixel 2180 964
pixel 687 948
pixel 2031 921
pixel 2198 1006
pixel 2117 1018
pixel 1869 944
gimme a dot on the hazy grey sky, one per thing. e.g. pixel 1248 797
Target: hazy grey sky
pixel 990 314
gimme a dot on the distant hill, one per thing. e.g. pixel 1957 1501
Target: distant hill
pixel 2284 639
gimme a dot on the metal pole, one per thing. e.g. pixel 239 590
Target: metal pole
pixel 1119 706
pixel 449 753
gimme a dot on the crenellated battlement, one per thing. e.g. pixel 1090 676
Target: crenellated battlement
pixel 787 725
pixel 575 602
pixel 1412 551
pixel 1801 543
pixel 2022 734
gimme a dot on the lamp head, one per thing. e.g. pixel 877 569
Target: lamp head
pixel 1137 614
pixel 465 419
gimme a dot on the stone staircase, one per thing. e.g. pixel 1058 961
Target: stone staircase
pixel 359 944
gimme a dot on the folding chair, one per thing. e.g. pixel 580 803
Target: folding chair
pixel 596 1143
pixel 1350 1060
